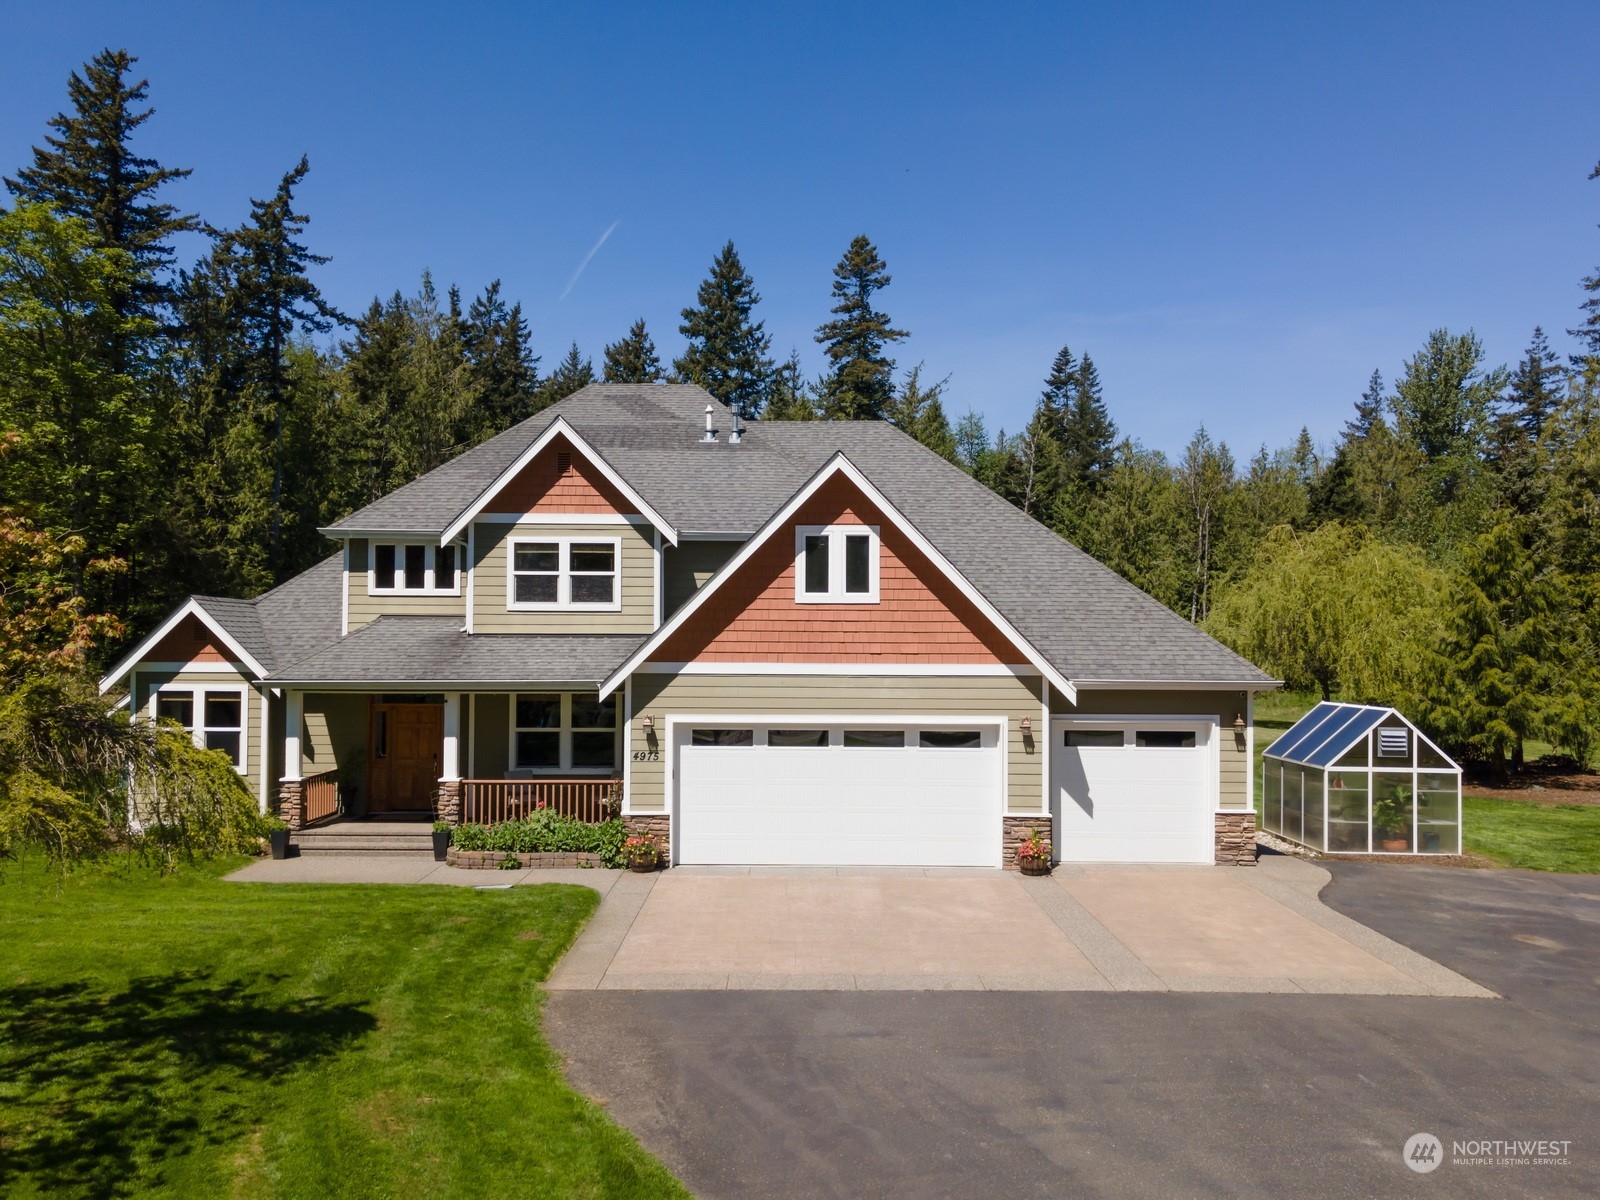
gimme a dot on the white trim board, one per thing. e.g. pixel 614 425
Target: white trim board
pixel 1020 670
pixel 548 518
pixel 191 607
pixel 556 428
pixel 839 464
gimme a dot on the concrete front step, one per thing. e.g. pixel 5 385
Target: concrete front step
pixel 343 851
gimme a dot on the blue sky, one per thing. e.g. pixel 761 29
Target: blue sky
pixel 1239 210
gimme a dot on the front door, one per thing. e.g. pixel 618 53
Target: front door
pixel 406 741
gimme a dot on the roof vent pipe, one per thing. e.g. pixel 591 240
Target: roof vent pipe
pixel 735 434
pixel 710 434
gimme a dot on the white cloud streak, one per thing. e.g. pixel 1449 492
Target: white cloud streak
pixel 595 249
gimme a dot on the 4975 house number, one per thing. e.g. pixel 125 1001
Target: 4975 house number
pixel 647 756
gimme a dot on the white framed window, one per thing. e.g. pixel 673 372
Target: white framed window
pixel 836 564
pixel 563 731
pixel 547 573
pixel 213 714
pixel 415 568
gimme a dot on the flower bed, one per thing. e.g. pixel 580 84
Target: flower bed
pixel 546 832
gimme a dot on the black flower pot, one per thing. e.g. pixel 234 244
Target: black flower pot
pixel 441 845
pixel 280 842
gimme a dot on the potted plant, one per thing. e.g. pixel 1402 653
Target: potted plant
pixel 1033 855
pixel 1391 816
pixel 643 852
pixel 277 835
pixel 441 840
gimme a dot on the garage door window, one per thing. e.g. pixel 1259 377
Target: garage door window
pixel 797 737
pixel 1094 737
pixel 950 739
pixel 875 737
pixel 1171 738
pixel 723 737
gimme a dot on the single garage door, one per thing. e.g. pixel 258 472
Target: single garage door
pixel 1138 792
pixel 830 793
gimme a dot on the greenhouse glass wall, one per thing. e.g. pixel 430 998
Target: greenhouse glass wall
pixel 1358 779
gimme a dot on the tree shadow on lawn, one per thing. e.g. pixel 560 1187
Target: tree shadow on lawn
pixel 98 1092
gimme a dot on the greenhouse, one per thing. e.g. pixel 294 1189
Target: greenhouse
pixel 1359 779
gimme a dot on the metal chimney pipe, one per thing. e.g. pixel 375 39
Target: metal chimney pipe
pixel 735 434
pixel 710 434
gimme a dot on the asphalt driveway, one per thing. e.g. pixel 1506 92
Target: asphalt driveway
pixel 1161 1094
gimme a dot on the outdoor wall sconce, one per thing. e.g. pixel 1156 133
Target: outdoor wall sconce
pixel 1027 725
pixel 1238 720
pixel 648 723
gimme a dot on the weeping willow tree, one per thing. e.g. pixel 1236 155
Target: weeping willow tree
pixel 1337 612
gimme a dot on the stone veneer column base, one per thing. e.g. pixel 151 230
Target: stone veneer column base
pixel 447 801
pixel 1236 839
pixel 292 802
pixel 1015 830
pixel 658 825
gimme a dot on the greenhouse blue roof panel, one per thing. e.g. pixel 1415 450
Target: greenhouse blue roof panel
pixel 1335 747
pixel 1326 732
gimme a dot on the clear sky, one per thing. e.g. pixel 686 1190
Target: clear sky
pixel 1238 210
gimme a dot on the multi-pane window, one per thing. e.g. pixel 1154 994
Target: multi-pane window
pixel 581 573
pixel 564 731
pixel 836 564
pixel 413 567
pixel 220 712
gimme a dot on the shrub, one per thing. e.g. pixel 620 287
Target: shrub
pixel 547 832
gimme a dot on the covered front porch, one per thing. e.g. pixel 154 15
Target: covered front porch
pixel 478 757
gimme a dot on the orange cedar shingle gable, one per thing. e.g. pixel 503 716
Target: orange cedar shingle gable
pixel 190 641
pixel 920 617
pixel 544 486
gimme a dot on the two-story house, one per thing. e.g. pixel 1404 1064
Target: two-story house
pixel 791 643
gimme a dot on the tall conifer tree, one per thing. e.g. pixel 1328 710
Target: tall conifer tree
pixel 1589 332
pixel 573 372
pixel 633 359
pixel 860 380
pixel 790 398
pixel 918 410
pixel 502 365
pixel 727 351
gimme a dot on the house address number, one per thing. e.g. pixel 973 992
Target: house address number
pixel 646 756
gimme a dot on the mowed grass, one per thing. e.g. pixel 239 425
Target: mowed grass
pixel 183 1036
pixel 1514 833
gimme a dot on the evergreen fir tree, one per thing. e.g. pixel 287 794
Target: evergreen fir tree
pixel 918 410
pixel 860 381
pixel 1443 406
pixel 727 351
pixel 89 170
pixel 633 359
pixel 1589 332
pixel 572 373
pixel 974 450
pixel 1084 430
pixel 791 396
pixel 1369 409
pixel 504 370
pixel 1516 452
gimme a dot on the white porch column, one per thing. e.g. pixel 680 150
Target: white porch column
pixel 293 722
pixel 450 765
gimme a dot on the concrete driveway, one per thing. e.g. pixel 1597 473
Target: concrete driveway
pixel 1105 929
pixel 958 1094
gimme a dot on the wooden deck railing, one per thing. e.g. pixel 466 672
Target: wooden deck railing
pixel 493 801
pixel 322 796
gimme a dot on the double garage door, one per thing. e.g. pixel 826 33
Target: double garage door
pixel 839 793
pixel 1137 791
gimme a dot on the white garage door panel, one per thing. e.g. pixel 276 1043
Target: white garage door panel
pixel 1134 803
pixel 837 805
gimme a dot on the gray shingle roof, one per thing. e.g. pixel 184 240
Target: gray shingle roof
pixel 436 651
pixel 1089 622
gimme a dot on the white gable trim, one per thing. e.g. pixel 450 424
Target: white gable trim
pixel 557 428
pixel 839 464
pixel 192 608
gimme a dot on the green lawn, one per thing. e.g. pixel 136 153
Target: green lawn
pixel 1540 837
pixel 189 1037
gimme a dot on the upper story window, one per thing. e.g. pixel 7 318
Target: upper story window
pixel 836 564
pixel 565 572
pixel 414 567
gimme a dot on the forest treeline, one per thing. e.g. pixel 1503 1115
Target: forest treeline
pixel 173 427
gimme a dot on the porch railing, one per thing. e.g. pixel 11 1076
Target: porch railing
pixel 494 801
pixel 322 796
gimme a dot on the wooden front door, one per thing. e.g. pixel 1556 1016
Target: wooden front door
pixel 406 742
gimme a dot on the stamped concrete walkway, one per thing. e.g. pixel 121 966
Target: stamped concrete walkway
pixel 1194 929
